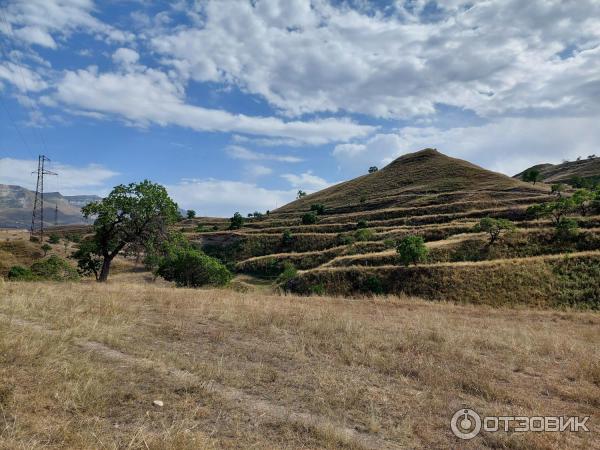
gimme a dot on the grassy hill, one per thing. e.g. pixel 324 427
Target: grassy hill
pixel 350 250
pixel 565 173
pixel 16 204
pixel 416 178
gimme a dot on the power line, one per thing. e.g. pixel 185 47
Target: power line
pixel 39 196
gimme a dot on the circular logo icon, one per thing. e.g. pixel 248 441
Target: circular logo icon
pixel 465 424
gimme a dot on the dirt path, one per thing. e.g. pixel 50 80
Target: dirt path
pixel 260 409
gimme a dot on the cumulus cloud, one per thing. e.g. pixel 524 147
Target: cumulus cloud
pixel 222 198
pixel 22 77
pixel 125 57
pixel 507 145
pixel 498 57
pixel 36 21
pixel 71 179
pixel 238 152
pixel 149 96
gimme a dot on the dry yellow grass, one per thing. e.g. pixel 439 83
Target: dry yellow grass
pixel 80 365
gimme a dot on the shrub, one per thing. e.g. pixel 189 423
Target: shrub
pixel 309 219
pixel 373 285
pixel 46 248
pixel 289 272
pixel 54 239
pixel 88 260
pixel 362 199
pixel 191 268
pixel 345 239
pixel 236 222
pixel 373 169
pixel 318 208
pixel 389 243
pixel 361 224
pixel 191 213
pixel 494 227
pixel 411 249
pixel 55 269
pixel 567 229
pixel 287 238
pixel 201 228
pixel 20 273
pixel 364 234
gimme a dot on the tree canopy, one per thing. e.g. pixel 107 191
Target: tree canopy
pixel 131 214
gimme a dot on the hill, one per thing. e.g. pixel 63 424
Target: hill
pixel 16 204
pixel 349 248
pixel 412 179
pixel 568 172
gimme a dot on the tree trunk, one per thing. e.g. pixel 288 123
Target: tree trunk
pixel 105 269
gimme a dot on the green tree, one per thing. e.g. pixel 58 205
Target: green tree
pixel 191 213
pixel 373 169
pixel 131 214
pixel 494 227
pixel 189 267
pixel 46 248
pixel 309 219
pixel 412 249
pixel 532 176
pixel 54 239
pixel 556 210
pixel 236 222
pixel 583 199
pixel 361 224
pixel 300 194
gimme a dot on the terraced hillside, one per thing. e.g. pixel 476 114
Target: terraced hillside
pixel 569 172
pixel 351 249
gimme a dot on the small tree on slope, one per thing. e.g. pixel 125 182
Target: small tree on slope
pixel 412 249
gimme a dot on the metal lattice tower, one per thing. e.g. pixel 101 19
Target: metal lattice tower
pixel 39 197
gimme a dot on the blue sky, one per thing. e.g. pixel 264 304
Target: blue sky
pixel 234 106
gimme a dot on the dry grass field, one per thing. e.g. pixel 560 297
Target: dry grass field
pixel 81 364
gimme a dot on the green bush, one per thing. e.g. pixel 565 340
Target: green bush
pixel 20 273
pixel 364 234
pixel 54 239
pixel 191 268
pixel 289 272
pixel 411 249
pixel 361 224
pixel 318 208
pixel 567 229
pixel 287 238
pixel 309 219
pixel 55 269
pixel 345 239
pixel 236 222
pixel 494 227
pixel 373 285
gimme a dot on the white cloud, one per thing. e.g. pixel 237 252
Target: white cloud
pixel 125 57
pixel 257 170
pixel 223 197
pixel 71 180
pixel 306 181
pixel 22 77
pixel 495 57
pixel 36 21
pixel 238 152
pixel 148 96
pixel 506 145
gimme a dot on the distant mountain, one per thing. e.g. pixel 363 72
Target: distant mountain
pixel 427 176
pixel 566 172
pixel 16 204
